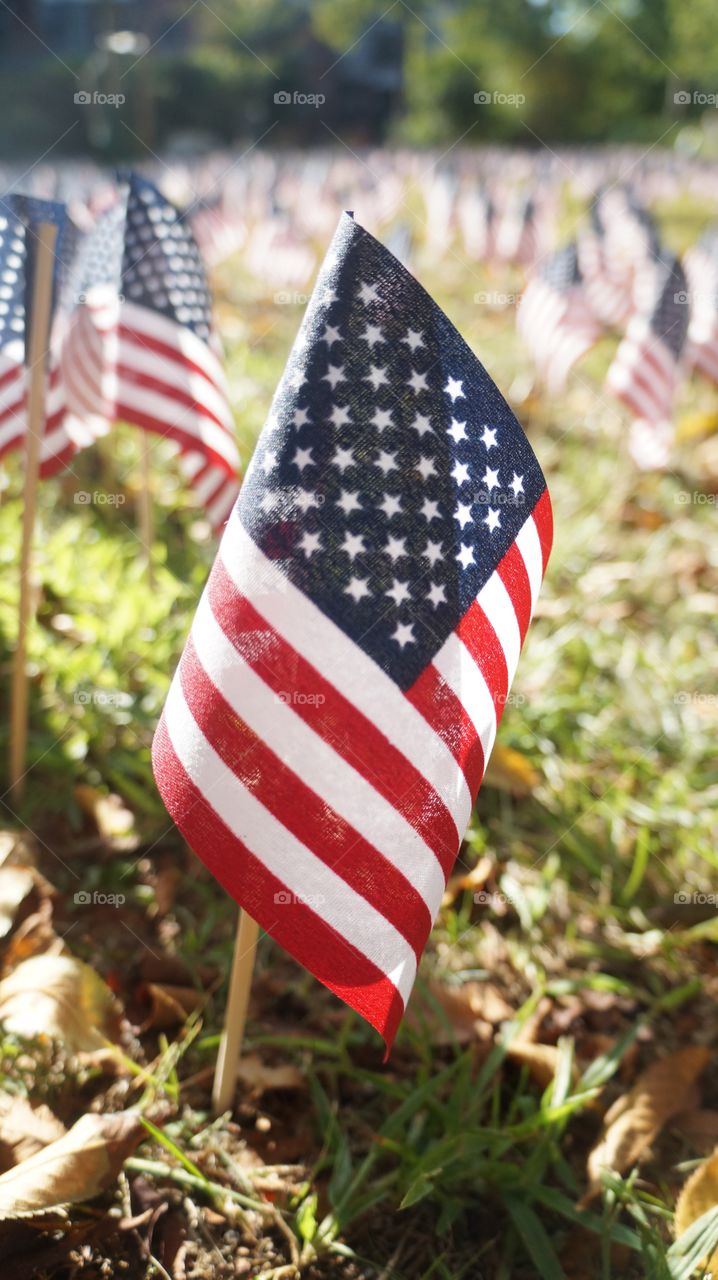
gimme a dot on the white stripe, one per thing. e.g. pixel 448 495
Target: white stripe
pixel 176 375
pixel 457 667
pixel 220 507
pixel 282 854
pixel 352 672
pixel 497 604
pixel 174 416
pixel 529 544
pixel 313 761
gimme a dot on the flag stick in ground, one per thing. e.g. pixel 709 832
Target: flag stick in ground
pixel 37 347
pixel 146 514
pixel 235 1014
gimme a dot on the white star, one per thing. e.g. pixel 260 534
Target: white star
pixel 368 294
pixel 421 424
pixel 268 461
pixel 489 437
pixel 457 430
pixel 432 552
pixel 491 479
pixel 426 468
pixel 301 417
pixel 349 501
pixel 340 415
pixel 492 519
pixel 357 588
pixel 309 543
pixel 517 484
pixel 463 514
pixel 303 458
pixel 328 297
pixel 296 378
pixel 353 544
pixel 460 472
pixel 391 506
pixel 377 377
pixel 417 382
pixel 305 500
pixel 330 335
pixel 414 338
pixel 404 634
pixel 334 374
pixel 399 591
pixel 343 458
pixel 465 556
pixel 372 334
pixel 437 595
pixel 430 509
pixel 272 423
pixel 386 461
pixel 268 501
pixel 395 547
pixel 454 388
pixel 382 419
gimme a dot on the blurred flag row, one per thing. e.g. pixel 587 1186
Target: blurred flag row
pixel 131 336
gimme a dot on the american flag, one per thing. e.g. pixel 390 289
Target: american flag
pixel 19 217
pixel 517 231
pixel 477 222
pixel 608 279
pixel 554 318
pixel 331 718
pixel 645 369
pixel 140 345
pixel 701 267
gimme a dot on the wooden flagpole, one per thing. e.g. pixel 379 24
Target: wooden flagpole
pixel 235 1014
pixel 37 348
pixel 146 514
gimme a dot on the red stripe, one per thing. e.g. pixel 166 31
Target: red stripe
pixel 159 384
pixel 482 642
pixel 442 710
pixel 168 430
pixel 57 461
pixel 14 371
pixel 335 719
pixel 512 572
pixel 310 818
pixel 296 927
pixel 543 519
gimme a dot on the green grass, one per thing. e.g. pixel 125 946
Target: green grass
pixel 449 1161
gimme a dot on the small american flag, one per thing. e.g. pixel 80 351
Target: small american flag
pixel 331 718
pixel 19 217
pixel 645 369
pixel 608 279
pixel 554 318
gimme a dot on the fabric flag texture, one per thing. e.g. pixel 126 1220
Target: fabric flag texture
pixel 554 318
pixel 701 267
pixel 20 215
pixel 330 720
pixel 645 370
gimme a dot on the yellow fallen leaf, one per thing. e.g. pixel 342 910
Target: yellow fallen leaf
pixel 636 1119
pixel 25 1127
pixel 16 885
pixel 541 1060
pixel 508 770
pixel 59 997
pixel 699 1194
pixel 72 1169
pixel 471 1010
pixel 693 426
pixel 474 879
pixel 109 813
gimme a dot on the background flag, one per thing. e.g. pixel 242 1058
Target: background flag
pixel 554 317
pixel 331 718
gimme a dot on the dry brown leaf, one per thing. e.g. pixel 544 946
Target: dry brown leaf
pixel 17 849
pixel 472 1011
pixel 25 1127
pixel 699 1126
pixel 508 770
pixel 75 1168
pixel 636 1119
pixel 474 879
pixel 541 1060
pixel 258 1077
pixel 59 997
pixel 109 813
pixel 699 1194
pixel 16 885
pixel 169 1005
